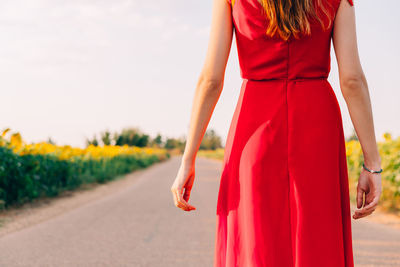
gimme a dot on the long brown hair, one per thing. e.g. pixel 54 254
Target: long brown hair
pixel 292 17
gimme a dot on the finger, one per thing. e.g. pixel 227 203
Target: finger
pixel 371 205
pixel 186 195
pixel 358 214
pixel 359 197
pixel 362 212
pixel 176 203
pixel 363 215
pixel 176 200
pixel 179 204
pixel 181 201
pixel 173 193
pixel 365 209
pixel 174 197
pixel 185 203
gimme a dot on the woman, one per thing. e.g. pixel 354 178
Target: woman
pixel 283 198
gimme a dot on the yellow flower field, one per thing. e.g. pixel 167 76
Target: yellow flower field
pixel 29 171
pixel 19 146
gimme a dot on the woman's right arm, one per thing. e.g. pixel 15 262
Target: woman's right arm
pixel 207 93
pixel 355 91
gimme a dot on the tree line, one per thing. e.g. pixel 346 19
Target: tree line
pixel 135 137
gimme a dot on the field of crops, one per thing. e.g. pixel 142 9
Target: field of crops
pixel 214 154
pixel 29 171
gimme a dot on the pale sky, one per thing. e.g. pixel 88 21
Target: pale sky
pixel 70 69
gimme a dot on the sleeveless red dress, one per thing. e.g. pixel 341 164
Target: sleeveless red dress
pixel 283 198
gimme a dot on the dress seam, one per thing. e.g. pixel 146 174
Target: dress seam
pixel 288 171
pixel 287 79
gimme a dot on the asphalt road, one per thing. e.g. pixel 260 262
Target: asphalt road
pixel 140 226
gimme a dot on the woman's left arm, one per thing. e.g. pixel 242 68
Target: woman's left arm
pixel 208 91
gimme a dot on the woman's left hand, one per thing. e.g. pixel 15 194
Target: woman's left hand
pixel 183 181
pixel 369 189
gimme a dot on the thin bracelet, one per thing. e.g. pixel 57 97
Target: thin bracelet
pixel 372 171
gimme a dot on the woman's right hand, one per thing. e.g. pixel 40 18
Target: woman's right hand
pixel 182 186
pixel 369 190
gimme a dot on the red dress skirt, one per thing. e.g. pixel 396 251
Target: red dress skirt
pixel 283 199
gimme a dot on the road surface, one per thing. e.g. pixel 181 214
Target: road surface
pixel 140 226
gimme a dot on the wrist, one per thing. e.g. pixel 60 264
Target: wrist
pixel 372 171
pixel 373 164
pixel 188 160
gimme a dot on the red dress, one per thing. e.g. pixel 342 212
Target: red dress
pixel 283 199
